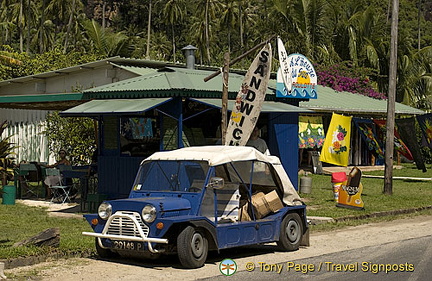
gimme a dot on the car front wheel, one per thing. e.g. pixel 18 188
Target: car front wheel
pixel 291 232
pixel 192 247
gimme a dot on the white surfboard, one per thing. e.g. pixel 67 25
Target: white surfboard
pixel 284 65
pixel 250 97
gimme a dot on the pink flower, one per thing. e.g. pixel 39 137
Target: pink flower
pixel 340 136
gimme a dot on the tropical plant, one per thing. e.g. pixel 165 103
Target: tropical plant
pixel 6 156
pixel 75 135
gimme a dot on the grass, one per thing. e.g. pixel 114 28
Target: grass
pixel 407 194
pixel 19 222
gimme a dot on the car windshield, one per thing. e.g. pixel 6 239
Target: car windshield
pixel 185 176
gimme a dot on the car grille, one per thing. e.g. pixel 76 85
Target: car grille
pixel 122 225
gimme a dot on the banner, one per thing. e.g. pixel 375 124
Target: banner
pixel 408 134
pixel 337 143
pixel 368 134
pixel 250 97
pixel 311 132
pixel 399 145
pixel 425 122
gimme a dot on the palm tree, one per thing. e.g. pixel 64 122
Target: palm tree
pixel 173 12
pixel 103 41
pixel 229 18
pixel 207 10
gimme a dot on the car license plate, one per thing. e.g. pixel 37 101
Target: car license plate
pixel 128 245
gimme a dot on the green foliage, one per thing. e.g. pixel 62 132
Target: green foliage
pixel 6 156
pixel 75 135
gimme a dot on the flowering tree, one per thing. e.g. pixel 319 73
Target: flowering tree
pixel 342 77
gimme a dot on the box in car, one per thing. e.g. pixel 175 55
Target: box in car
pixel 260 205
pixel 273 200
pixel 266 203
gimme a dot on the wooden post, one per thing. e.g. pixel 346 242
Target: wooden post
pixel 389 148
pixel 225 76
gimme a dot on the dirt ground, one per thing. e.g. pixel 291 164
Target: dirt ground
pixel 169 267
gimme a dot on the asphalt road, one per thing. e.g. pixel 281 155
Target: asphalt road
pixel 409 259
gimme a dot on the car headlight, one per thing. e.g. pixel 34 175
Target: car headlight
pixel 105 210
pixel 149 213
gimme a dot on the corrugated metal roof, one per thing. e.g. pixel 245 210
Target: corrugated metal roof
pixel 268 106
pixel 330 100
pixel 174 79
pixel 114 106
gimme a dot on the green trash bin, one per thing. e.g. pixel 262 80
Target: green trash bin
pixel 9 195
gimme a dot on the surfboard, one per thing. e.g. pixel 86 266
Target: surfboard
pixel 248 103
pixel 284 65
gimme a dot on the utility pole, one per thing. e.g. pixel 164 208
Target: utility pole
pixel 225 76
pixel 389 148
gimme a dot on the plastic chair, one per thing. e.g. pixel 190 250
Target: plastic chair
pixel 56 183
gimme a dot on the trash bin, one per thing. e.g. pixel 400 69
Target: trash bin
pixel 338 179
pixel 9 195
pixel 305 184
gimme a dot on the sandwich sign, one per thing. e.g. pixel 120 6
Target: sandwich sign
pixel 248 103
pixel 296 78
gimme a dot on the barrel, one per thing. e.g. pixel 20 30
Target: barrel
pixel 305 184
pixel 9 195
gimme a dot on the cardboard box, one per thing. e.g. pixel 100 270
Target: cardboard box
pixel 273 201
pixel 259 203
pixel 264 204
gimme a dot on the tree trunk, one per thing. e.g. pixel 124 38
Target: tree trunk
pixel 149 30
pixel 20 27
pixel 69 26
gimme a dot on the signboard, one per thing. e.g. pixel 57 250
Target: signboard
pixel 250 97
pixel 299 81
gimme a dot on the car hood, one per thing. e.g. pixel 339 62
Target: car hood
pixel 161 203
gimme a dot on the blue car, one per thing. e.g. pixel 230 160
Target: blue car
pixel 192 200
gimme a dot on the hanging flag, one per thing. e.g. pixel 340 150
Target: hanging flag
pixel 311 132
pixel 399 145
pixel 408 134
pixel 368 134
pixel 425 122
pixel 250 97
pixel 337 143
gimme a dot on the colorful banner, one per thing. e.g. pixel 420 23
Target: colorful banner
pixel 311 132
pixel 367 132
pixel 425 122
pixel 250 97
pixel 337 143
pixel 398 143
pixel 408 134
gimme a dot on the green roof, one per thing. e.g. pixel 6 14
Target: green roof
pixel 171 82
pixel 114 106
pixel 330 100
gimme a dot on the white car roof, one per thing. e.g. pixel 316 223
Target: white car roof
pixel 220 154
pixel 214 155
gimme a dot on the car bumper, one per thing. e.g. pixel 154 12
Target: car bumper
pixel 140 234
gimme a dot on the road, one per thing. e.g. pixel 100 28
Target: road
pixel 377 243
pixel 409 259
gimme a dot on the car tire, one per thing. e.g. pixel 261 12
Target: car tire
pixel 291 232
pixel 104 253
pixel 192 247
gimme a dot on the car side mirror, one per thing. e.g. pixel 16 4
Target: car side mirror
pixel 216 183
